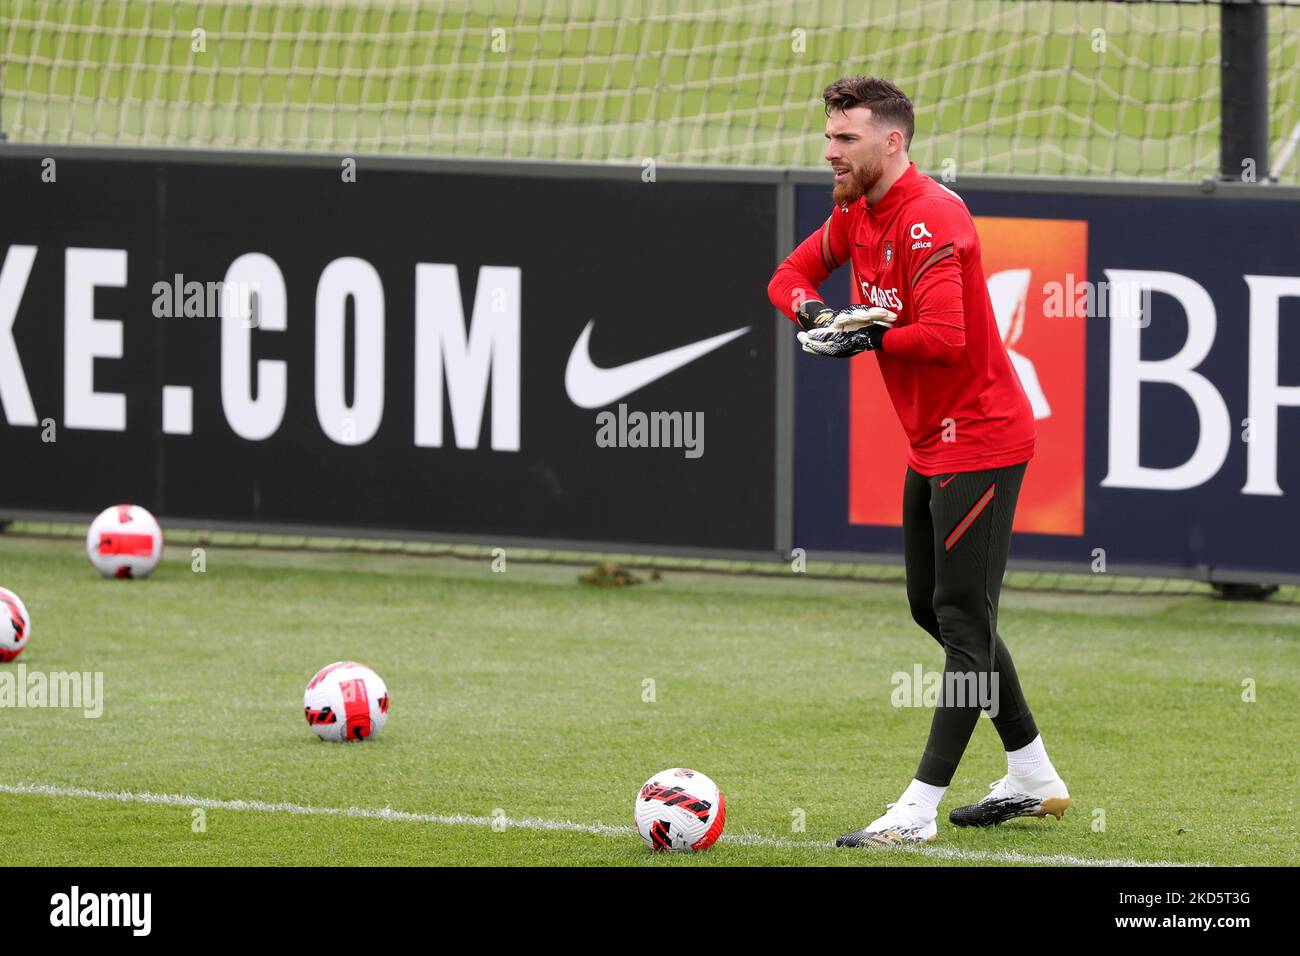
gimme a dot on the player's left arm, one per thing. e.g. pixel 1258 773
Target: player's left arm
pixel 937 333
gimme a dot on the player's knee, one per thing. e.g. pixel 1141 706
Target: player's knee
pixel 923 614
pixel 965 631
pixel 948 611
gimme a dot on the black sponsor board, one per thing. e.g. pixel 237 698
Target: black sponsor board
pixel 412 351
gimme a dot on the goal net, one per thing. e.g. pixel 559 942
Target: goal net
pixel 1032 87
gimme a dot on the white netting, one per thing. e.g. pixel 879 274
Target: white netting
pixel 1003 86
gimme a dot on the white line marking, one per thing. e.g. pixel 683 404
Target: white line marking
pixel 533 823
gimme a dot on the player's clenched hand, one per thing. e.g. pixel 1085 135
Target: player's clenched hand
pixel 834 344
pixel 817 315
pixel 841 333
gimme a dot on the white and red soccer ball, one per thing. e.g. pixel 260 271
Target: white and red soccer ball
pixel 15 626
pixel 124 542
pixel 680 810
pixel 346 701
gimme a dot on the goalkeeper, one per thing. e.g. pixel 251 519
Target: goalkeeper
pixel 926 314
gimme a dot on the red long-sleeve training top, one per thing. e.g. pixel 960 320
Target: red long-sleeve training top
pixel 916 253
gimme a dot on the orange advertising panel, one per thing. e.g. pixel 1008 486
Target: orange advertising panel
pixel 1035 270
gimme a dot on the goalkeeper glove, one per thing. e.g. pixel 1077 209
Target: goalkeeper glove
pixel 846 332
pixel 860 316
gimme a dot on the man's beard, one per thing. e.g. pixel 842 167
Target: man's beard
pixel 858 183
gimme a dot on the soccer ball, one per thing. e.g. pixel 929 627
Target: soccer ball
pixel 15 626
pixel 124 542
pixel 346 701
pixel 680 810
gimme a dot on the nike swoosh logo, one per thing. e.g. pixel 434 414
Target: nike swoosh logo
pixel 591 387
pixel 944 484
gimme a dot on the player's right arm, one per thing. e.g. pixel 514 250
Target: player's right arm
pixel 793 287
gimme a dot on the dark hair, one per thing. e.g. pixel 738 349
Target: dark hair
pixel 887 102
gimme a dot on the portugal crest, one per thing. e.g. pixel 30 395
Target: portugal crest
pixel 889 252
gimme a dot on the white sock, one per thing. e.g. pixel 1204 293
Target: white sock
pixel 1031 757
pixel 922 794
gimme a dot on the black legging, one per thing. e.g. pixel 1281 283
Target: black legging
pixel 956 536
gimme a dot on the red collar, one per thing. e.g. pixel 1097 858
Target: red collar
pixel 896 193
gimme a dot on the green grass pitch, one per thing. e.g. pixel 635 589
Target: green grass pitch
pixel 520 695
